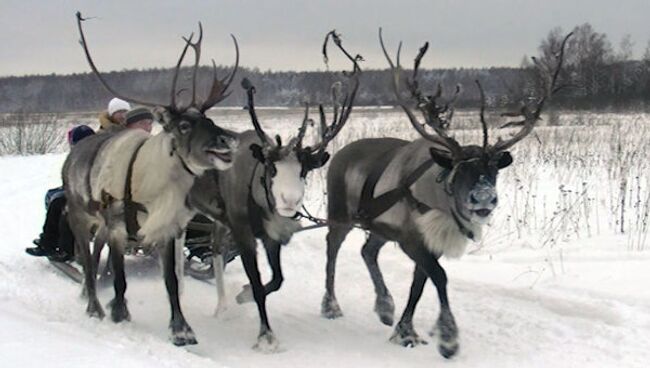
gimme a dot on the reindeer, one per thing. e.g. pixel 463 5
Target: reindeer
pixel 121 180
pixel 430 196
pixel 263 191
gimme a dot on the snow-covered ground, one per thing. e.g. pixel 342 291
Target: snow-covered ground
pixel 518 303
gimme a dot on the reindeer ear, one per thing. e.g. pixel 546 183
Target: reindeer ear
pixel 258 152
pixel 440 159
pixel 503 160
pixel 163 116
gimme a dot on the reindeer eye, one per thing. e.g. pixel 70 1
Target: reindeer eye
pixel 184 127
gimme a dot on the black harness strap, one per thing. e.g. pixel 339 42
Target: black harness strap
pixel 185 166
pixel 131 208
pixel 370 208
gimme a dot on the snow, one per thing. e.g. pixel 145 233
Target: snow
pixel 581 302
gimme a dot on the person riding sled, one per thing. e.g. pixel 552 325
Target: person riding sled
pixel 115 115
pixel 56 241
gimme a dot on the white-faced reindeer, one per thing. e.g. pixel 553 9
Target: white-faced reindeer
pixel 136 186
pixel 430 196
pixel 263 191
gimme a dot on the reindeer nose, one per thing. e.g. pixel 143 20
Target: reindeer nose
pixel 287 199
pixel 485 197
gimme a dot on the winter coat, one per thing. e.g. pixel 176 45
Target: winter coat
pixel 106 123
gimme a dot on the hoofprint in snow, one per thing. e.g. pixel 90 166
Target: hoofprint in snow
pixel 535 303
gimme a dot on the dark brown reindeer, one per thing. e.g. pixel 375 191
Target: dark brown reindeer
pixel 264 190
pixel 430 196
pixel 133 185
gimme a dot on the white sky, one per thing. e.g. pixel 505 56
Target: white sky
pixel 40 36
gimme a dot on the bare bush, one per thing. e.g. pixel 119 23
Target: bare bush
pixel 31 134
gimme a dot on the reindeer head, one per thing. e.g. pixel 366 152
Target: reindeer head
pixel 286 166
pixel 469 172
pixel 195 139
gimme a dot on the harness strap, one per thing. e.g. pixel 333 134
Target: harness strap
pixel 370 208
pixel 184 164
pixel 131 208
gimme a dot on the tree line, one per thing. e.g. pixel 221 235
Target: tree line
pixel 598 76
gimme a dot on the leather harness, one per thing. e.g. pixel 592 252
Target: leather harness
pixel 372 207
pixel 131 208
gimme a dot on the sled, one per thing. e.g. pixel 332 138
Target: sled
pixel 69 270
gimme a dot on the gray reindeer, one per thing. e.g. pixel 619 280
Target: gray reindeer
pixel 430 196
pixel 263 191
pixel 133 185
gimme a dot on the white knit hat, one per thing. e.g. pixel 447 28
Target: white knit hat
pixel 116 105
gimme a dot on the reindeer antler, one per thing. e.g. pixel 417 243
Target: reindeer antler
pixel 530 117
pixel 83 43
pixel 250 92
pixel 329 131
pixel 217 91
pixel 426 104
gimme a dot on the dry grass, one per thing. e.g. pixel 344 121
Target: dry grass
pixel 31 134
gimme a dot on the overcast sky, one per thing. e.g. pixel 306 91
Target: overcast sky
pixel 40 37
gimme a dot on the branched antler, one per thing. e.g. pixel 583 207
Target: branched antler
pixel 217 91
pixel 426 104
pixel 530 116
pixel 340 113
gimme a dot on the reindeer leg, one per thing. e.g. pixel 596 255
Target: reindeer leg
pixel 272 248
pixel 119 311
pixel 404 333
pixel 446 324
pixel 82 241
pixel 217 265
pixel 219 243
pixel 181 332
pixel 330 307
pixel 384 305
pixel 266 341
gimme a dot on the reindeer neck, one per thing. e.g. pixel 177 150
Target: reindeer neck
pixel 156 167
pixel 258 191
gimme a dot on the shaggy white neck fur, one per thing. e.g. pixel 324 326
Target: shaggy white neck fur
pixel 441 233
pixel 161 184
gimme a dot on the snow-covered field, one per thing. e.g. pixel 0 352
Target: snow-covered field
pixel 553 284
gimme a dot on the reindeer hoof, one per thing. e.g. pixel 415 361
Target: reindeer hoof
pixel 385 309
pixel 448 333
pixel 267 343
pixel 406 336
pixel 245 295
pixel 330 308
pixel 183 335
pixel 95 310
pixel 119 311
pixel 448 351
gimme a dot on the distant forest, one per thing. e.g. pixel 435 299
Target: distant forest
pixel 600 76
